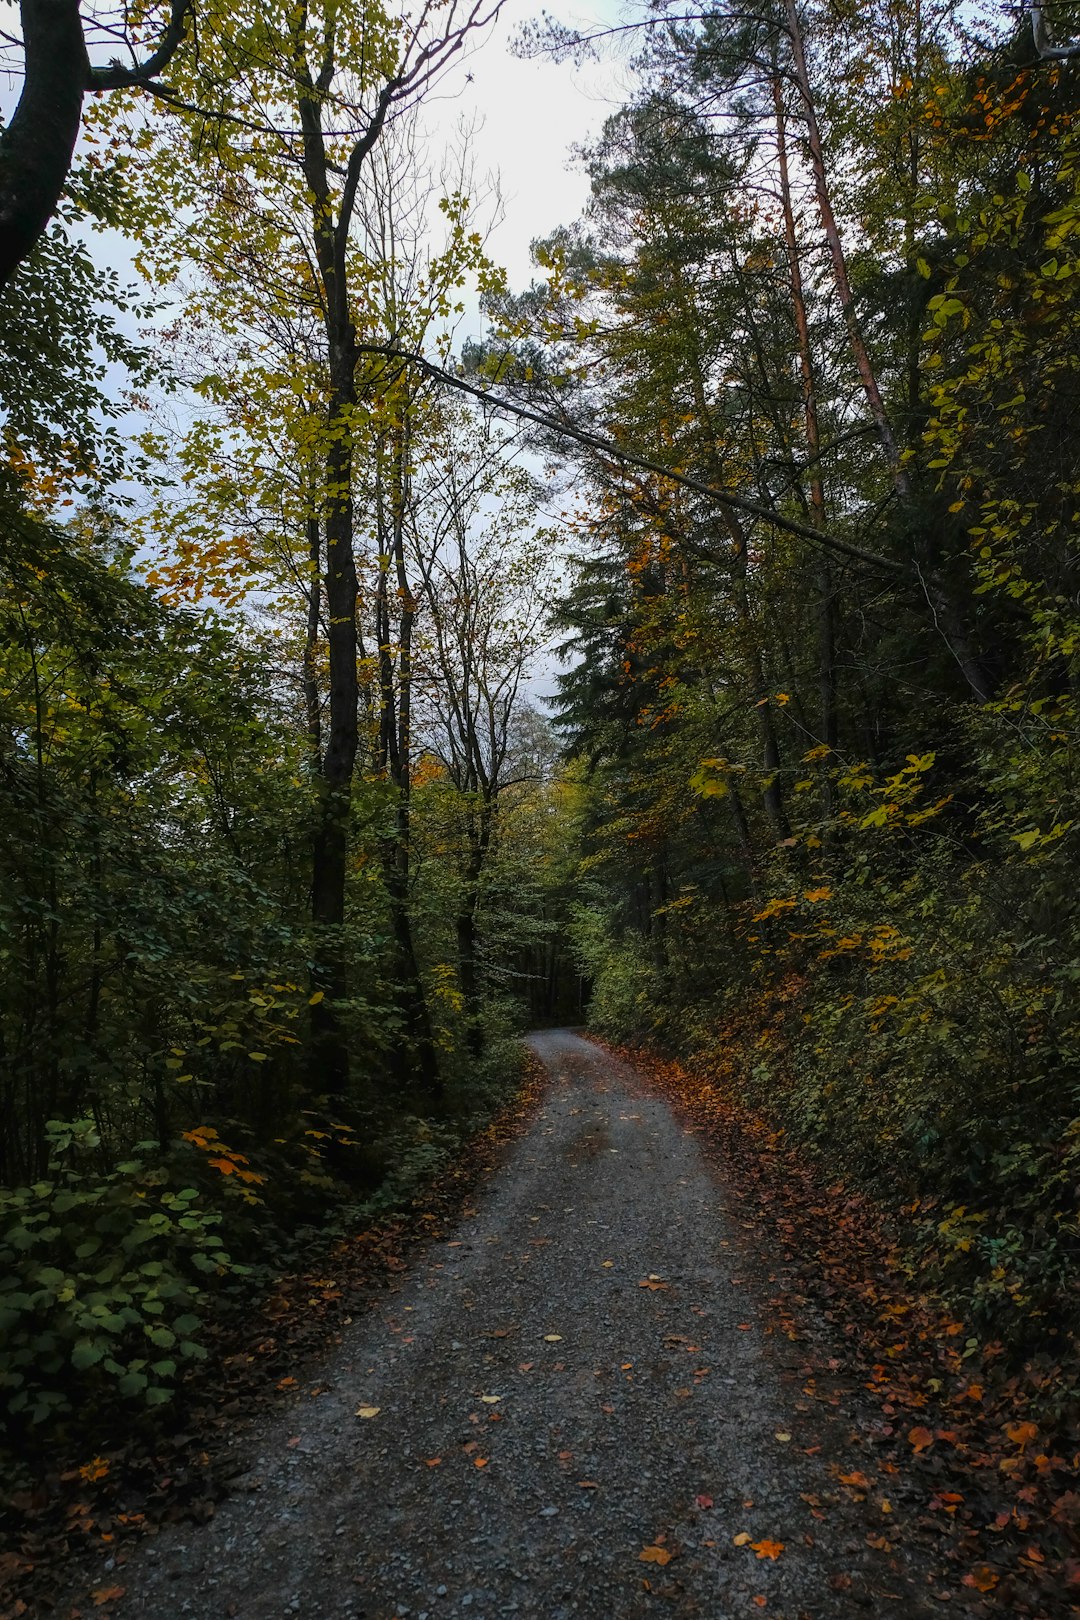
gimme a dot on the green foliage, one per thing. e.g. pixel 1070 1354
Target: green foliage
pixel 106 1280
pixel 828 819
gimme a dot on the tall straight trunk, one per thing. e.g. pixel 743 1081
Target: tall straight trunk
pixel 330 853
pixel 827 697
pixel 312 708
pixel 841 278
pixel 947 617
pixel 414 1058
pixel 479 840
pixel 329 1054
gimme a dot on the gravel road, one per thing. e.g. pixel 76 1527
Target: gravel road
pixel 577 1375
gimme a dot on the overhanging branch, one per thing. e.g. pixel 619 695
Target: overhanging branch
pixel 629 458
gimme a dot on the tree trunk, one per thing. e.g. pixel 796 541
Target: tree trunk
pixel 36 147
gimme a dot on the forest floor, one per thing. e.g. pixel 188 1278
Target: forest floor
pixel 605 1393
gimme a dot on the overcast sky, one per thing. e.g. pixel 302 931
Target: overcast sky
pixel 528 116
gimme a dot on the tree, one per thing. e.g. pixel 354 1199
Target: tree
pixel 284 196
pixel 37 146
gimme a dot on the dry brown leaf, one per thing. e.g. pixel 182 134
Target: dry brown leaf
pixel 655 1555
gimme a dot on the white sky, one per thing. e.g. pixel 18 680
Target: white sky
pixel 529 115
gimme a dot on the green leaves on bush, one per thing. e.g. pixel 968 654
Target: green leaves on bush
pixel 102 1281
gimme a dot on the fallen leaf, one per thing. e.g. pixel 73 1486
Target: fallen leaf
pixel 704 1501
pixel 982 1578
pixel 368 1411
pixel 552 1338
pixel 781 1436
pixel 107 1594
pixel 920 1438
pixel 742 1538
pixel 768 1549
pixel 856 1479
pixel 432 1462
pixel 480 1462
pixel 652 1283
pixel 760 1599
pixel 655 1555
pixel 588 1484
pixel 491 1400
pixel 1021 1433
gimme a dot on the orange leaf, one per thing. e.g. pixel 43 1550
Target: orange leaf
pixel 1021 1433
pixel 982 1578
pixel 480 1462
pixel 858 1480
pixel 768 1549
pixel 107 1594
pixel 655 1555
pixel 226 1166
pixel 760 1599
pixel 432 1462
pixel 920 1438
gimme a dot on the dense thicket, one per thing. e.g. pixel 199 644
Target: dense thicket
pixel 269 788
pixel 827 729
pixel 287 857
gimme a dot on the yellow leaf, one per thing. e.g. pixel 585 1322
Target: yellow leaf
pixel 655 1555
pixel 742 1538
pixel 368 1411
pixel 552 1338
pixel 313 1001
pixel 491 1400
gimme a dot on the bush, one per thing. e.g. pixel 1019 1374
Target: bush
pixel 103 1279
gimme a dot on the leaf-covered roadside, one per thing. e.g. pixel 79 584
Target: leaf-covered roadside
pixel 93 1493
pixel 983 1455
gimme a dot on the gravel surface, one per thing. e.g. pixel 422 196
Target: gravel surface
pixel 509 1430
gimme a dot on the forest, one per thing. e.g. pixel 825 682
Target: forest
pixel 300 834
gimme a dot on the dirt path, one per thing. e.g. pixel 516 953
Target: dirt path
pixel 542 1418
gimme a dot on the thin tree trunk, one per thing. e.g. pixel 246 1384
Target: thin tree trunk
pixel 947 617
pixel 826 617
